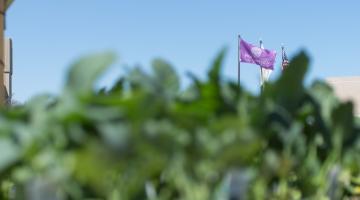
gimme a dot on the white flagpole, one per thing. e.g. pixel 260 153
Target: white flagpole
pixel 265 73
pixel 261 71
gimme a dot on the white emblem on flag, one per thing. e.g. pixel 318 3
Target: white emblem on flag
pixel 256 51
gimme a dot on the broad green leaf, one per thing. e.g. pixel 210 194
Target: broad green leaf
pixel 343 122
pixel 10 153
pixel 288 90
pixel 325 96
pixel 165 78
pixel 83 73
pixel 214 73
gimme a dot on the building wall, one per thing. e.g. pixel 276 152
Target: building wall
pixel 347 88
pixel 8 70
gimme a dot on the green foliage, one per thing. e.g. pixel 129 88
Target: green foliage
pixel 144 138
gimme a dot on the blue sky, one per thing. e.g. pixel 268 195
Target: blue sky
pixel 49 35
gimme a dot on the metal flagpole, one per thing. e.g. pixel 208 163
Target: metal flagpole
pixel 2 63
pixel 261 71
pixel 239 46
pixel 282 57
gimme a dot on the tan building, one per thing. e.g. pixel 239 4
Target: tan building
pixel 5 80
pixel 347 88
pixel 8 70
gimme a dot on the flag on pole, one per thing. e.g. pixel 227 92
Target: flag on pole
pixel 252 54
pixel 264 73
pixel 285 60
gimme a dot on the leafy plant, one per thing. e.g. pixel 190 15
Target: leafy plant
pixel 144 138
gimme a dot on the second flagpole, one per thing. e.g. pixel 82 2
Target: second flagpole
pixel 261 71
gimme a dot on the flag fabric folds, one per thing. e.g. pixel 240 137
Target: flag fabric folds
pixel 252 54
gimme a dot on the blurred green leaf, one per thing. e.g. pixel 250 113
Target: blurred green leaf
pixel 85 71
pixel 10 153
pixel 165 78
pixel 214 73
pixel 288 90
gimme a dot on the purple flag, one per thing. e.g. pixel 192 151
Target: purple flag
pixel 252 54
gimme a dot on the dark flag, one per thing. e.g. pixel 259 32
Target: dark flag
pixel 285 60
